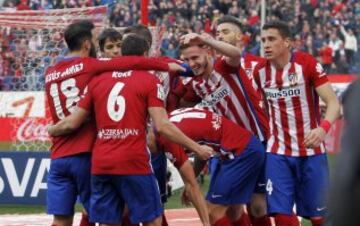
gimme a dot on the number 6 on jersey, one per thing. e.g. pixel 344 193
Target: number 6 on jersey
pixel 116 103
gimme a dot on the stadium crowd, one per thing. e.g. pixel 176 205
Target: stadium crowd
pixel 327 29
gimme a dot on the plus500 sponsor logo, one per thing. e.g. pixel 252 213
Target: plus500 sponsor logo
pixel 275 94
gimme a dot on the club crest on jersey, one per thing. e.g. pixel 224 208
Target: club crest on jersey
pixel 293 79
pixel 216 121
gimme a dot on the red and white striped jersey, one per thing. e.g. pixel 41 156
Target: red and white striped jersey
pixel 293 103
pixel 230 95
pixel 248 62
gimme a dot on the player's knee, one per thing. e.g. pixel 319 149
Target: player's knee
pixel 62 220
pixel 258 209
pixel 216 212
pixel 234 212
pixel 258 206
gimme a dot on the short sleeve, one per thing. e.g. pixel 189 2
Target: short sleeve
pixel 317 74
pixel 156 94
pixel 86 99
pixel 175 153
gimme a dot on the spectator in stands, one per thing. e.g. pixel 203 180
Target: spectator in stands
pixel 326 57
pixel 171 51
pixel 350 43
pixel 335 44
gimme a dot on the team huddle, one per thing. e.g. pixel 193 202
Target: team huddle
pixel 254 122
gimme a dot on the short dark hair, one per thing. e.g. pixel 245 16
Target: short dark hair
pixel 141 30
pixel 77 32
pixel 134 45
pixel 109 33
pixel 230 19
pixel 282 27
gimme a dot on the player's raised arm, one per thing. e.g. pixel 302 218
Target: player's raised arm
pixel 232 53
pixel 69 123
pixel 170 131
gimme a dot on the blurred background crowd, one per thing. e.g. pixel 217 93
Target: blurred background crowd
pixel 328 29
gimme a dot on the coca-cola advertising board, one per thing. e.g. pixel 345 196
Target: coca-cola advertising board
pixel 23 117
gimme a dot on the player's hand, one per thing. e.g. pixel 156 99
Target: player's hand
pixel 314 138
pixel 204 38
pixel 205 152
pixel 174 67
pixel 50 130
pixel 185 200
pixel 192 38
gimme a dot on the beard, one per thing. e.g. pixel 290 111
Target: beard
pixel 92 52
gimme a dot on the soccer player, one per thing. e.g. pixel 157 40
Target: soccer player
pixel 69 173
pixel 219 88
pixel 296 162
pixel 121 173
pixel 110 43
pixel 241 153
pixel 229 30
pixel 179 158
pixel 169 81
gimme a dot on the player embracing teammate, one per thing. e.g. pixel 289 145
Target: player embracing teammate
pixel 290 83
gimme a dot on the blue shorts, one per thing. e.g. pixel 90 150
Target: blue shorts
pixel 233 181
pixel 159 165
pixel 110 193
pixel 303 181
pixel 68 178
pixel 260 186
